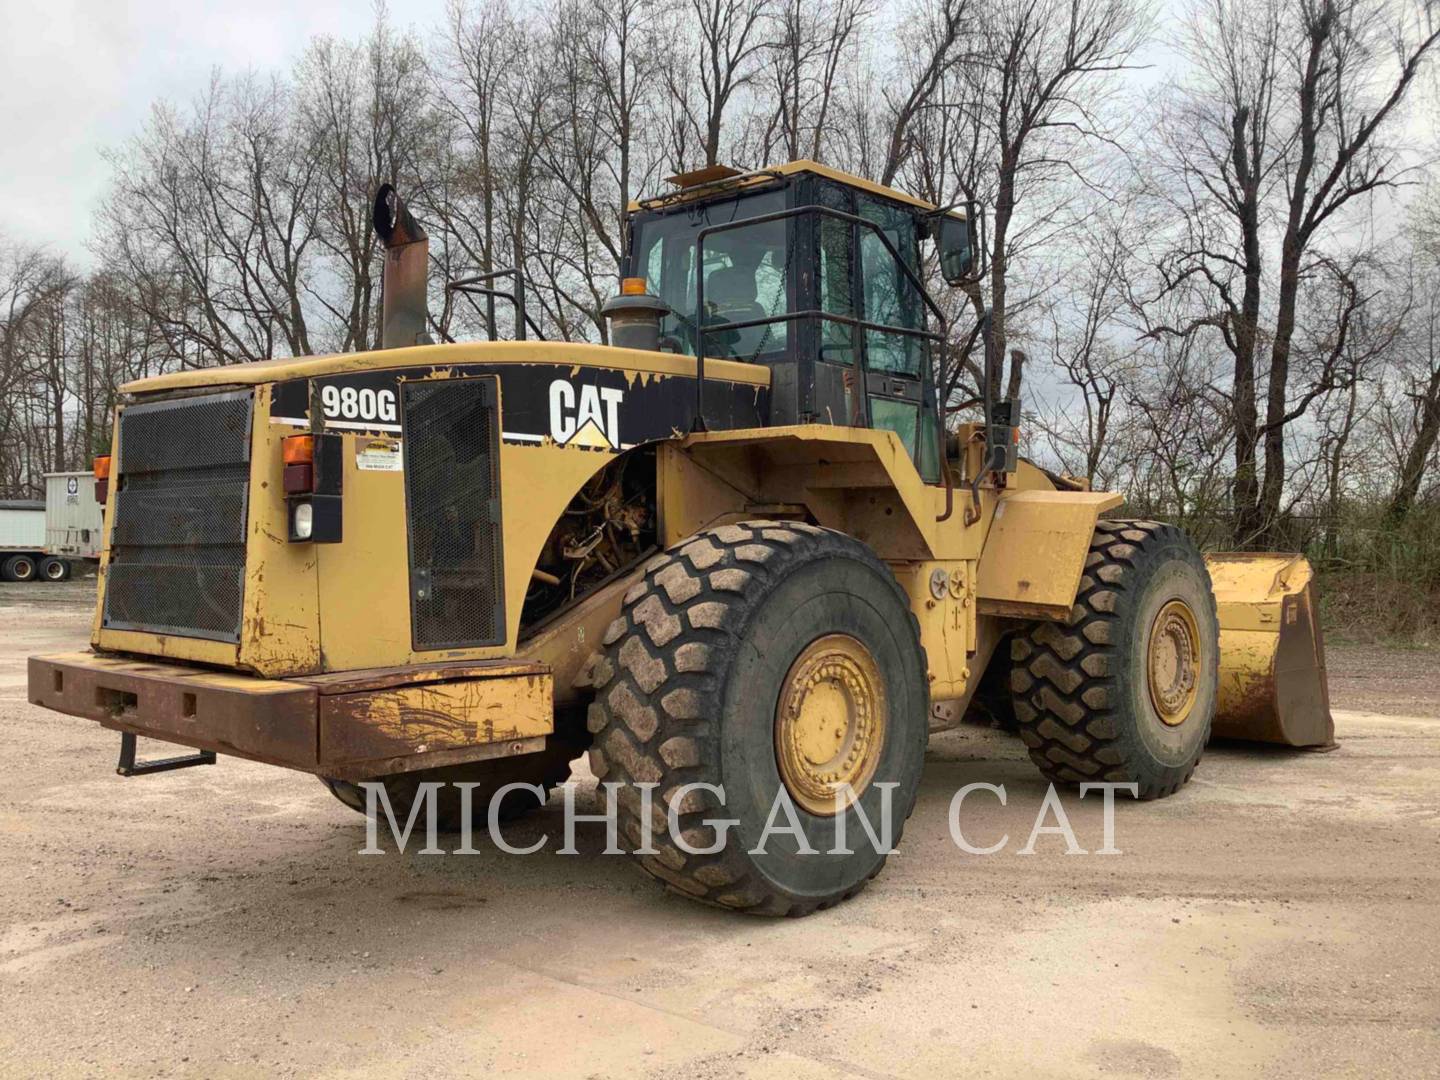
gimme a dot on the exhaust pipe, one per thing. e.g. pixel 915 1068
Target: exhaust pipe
pixel 407 271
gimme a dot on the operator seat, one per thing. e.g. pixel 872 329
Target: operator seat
pixel 731 292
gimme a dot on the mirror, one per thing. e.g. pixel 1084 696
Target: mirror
pixel 955 242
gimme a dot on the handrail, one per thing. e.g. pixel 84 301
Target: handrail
pixel 698 424
pixel 815 313
pixel 522 317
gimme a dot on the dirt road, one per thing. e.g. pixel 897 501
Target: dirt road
pixel 1278 917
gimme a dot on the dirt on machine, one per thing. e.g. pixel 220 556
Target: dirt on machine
pixel 739 554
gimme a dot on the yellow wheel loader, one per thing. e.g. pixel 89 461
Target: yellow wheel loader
pixel 738 554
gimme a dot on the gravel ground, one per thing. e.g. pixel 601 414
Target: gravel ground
pixel 1278 917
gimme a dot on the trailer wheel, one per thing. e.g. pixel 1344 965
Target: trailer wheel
pixel 1124 690
pixel 545 769
pixel 55 569
pixel 19 568
pixel 754 666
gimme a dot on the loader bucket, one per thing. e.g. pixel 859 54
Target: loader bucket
pixel 1272 658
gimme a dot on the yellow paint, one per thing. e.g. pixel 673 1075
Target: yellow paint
pixel 947 621
pixel 106 523
pixel 313 608
pixel 1250 591
pixel 1272 656
pixel 200 650
pixel 1247 660
pixel 1035 551
pixel 830 723
pixel 566 645
pixel 364 581
pixel 577 354
pixel 280 626
pixel 847 476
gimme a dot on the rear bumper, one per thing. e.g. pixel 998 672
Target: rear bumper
pixel 351 726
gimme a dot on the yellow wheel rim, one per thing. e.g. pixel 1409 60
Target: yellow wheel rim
pixel 1174 662
pixel 830 723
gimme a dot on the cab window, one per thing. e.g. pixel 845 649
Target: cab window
pixel 747 272
pixel 888 295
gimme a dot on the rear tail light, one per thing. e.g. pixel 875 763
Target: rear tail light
pixel 102 479
pixel 314 465
pixel 298 453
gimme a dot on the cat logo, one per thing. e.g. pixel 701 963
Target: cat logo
pixel 593 421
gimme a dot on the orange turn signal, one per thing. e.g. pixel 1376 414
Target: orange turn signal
pixel 298 449
pixel 632 286
pixel 102 467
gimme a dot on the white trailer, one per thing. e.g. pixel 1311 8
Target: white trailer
pixel 22 539
pixel 73 518
pixel 45 540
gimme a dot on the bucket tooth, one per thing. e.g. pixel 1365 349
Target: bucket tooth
pixel 1272 656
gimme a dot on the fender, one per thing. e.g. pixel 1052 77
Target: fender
pixel 1035 553
pixel 860 481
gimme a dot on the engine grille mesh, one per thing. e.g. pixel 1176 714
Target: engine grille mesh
pixel 177 554
pixel 452 496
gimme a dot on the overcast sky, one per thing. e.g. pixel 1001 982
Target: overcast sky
pixel 81 75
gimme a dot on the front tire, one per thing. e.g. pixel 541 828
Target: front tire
pixel 55 569
pixel 1124 690
pixel 768 659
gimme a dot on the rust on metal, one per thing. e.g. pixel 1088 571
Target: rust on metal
pixel 356 771
pixel 416 721
pixel 350 682
pixel 261 719
pixel 407 272
pixel 365 723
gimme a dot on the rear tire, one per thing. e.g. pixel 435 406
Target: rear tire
pixel 1098 697
pixel 762 658
pixel 55 569
pixel 19 568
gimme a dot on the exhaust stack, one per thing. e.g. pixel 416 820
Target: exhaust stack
pixel 407 270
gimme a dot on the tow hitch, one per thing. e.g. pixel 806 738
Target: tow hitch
pixel 130 767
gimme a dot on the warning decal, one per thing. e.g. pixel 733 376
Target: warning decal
pixel 378 455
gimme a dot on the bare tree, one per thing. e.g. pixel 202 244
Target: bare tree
pixel 717 50
pixel 1093 346
pixel 803 69
pixel 1411 422
pixel 1283 125
pixel 1044 69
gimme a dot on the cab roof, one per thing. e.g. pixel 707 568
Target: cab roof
pixel 704 183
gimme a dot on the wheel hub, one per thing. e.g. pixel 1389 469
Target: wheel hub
pixel 1174 662
pixel 830 723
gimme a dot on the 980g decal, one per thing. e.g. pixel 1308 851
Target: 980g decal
pixel 596 408
pixel 342 404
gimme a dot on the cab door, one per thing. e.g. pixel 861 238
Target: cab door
pixel 896 360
